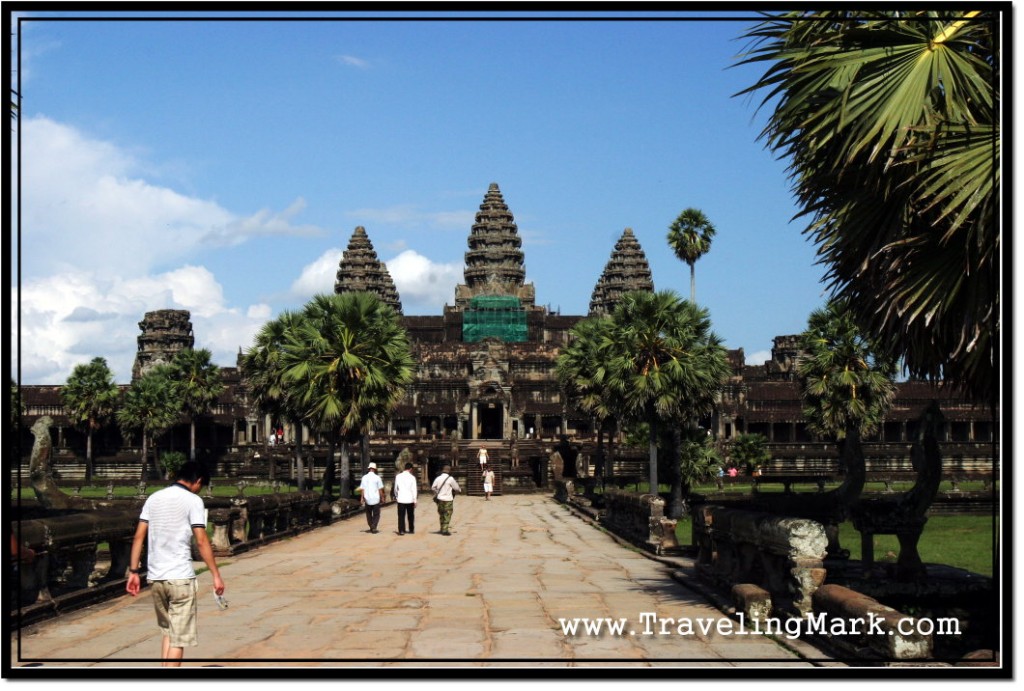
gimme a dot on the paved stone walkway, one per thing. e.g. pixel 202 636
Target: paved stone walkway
pixel 493 594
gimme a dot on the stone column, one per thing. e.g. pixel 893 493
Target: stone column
pixel 473 416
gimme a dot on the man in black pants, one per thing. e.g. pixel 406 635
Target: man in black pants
pixel 405 496
pixel 371 496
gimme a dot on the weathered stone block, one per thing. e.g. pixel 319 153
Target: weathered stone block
pixel 755 602
pixel 889 633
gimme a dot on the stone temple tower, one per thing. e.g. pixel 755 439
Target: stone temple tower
pixel 494 262
pixel 361 271
pixel 627 270
pixel 164 333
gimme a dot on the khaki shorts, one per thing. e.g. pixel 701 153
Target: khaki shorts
pixel 175 604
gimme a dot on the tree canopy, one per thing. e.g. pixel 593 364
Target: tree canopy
pixel 890 121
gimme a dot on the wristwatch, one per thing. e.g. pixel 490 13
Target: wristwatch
pixel 138 570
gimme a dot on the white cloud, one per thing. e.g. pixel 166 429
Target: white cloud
pixel 263 223
pixel 423 285
pixel 317 277
pixel 83 198
pixel 70 318
pixel 353 61
pixel 96 238
pixel 758 358
pixel 408 214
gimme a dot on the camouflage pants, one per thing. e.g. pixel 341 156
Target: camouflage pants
pixel 444 512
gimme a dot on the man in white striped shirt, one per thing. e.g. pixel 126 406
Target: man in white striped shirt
pixel 170 519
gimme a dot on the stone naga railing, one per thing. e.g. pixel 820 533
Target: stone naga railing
pixel 565 490
pixel 892 635
pixel 782 556
pixel 641 519
pixel 242 523
pixel 81 557
pixel 67 569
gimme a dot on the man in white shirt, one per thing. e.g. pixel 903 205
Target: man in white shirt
pixel 405 496
pixel 444 488
pixel 170 519
pixel 371 495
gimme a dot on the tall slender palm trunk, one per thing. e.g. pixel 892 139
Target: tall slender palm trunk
pixel 345 479
pixel 652 448
pixel 88 454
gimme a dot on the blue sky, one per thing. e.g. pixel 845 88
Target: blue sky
pixel 222 166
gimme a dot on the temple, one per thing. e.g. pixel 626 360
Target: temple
pixel 486 378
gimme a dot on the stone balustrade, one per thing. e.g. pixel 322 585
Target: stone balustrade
pixel 241 523
pixel 783 556
pixel 564 490
pixel 640 518
pixel 68 568
pixel 81 557
pixel 892 635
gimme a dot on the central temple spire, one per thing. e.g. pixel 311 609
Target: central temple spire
pixel 494 262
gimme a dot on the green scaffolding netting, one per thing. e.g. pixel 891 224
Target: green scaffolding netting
pixel 494 316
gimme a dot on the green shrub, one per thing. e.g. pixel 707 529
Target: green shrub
pixel 171 461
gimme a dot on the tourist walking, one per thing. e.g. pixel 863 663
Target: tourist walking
pixel 405 496
pixel 371 496
pixel 488 477
pixel 169 520
pixel 481 456
pixel 444 488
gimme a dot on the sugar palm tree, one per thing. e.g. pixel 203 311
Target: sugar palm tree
pixel 90 398
pixel 749 451
pixel 690 237
pixel 149 406
pixel 582 372
pixel 890 120
pixel 199 383
pixel 699 460
pixel 845 379
pixel 264 379
pixel 346 365
pixel 666 363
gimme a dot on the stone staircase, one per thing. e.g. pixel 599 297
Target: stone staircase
pixel 474 480
pixel 497 461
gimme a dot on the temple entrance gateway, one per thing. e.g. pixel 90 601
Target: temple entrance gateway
pixel 491 420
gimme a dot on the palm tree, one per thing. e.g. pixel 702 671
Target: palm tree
pixel 199 383
pixel 890 120
pixel 845 378
pixel 346 364
pixel 666 363
pixel 15 399
pixel 749 451
pixel 699 460
pixel 690 236
pixel 581 371
pixel 263 372
pixel 90 398
pixel 149 406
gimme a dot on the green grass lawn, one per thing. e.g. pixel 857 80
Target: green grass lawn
pixel 962 541
pixel 222 487
pixel 965 542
